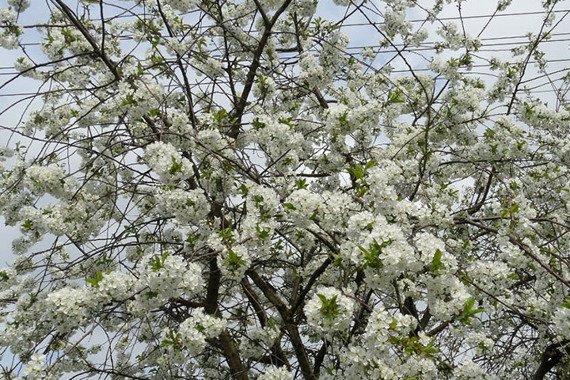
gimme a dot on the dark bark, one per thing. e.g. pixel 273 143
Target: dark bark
pixel 552 356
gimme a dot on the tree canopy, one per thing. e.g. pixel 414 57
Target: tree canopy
pixel 282 189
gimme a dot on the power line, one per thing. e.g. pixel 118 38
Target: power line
pixel 494 15
pixel 394 71
pixel 130 38
pixel 479 66
pixel 348 24
pixel 40 93
pixel 425 46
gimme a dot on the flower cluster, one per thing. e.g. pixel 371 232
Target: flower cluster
pixel 182 5
pixel 167 162
pixel 35 368
pixel 562 321
pixel 233 261
pixel 11 31
pixel 68 308
pixel 187 206
pixel 48 179
pixel 194 331
pixel 329 311
pixel 276 373
pixel 169 275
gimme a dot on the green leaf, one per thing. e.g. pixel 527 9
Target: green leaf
pixel 166 343
pixel 220 115
pixel 370 164
pixel 436 264
pixel 27 225
pixel 227 236
pixel 469 311
pixel 233 260
pixel 243 189
pixel 357 171
pixel 176 167
pixel 301 183
pixel 272 322
pixel 191 240
pixel 489 134
pixel 157 262
pixel 343 119
pixel 150 295
pixel 466 60
pixel 257 125
pixel 468 305
pixel 511 72
pixel 289 206
pixel 330 307
pixel 361 191
pixel 155 112
pixel 262 232
pixel 430 349
pixel 95 280
pixel 394 97
pixel 528 110
pixel 129 100
pixel 287 121
pixel 4 276
pixel 372 255
pixel 173 340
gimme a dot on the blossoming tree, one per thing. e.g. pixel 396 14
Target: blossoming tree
pixel 229 189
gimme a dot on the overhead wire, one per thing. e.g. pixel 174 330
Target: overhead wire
pixel 489 42
pixel 426 45
pixel 353 24
pixel 421 69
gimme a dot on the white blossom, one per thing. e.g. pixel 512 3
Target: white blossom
pixel 167 162
pixel 277 189
pixel 196 329
pixel 187 206
pixel 276 373
pixel 329 311
pixel 68 308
